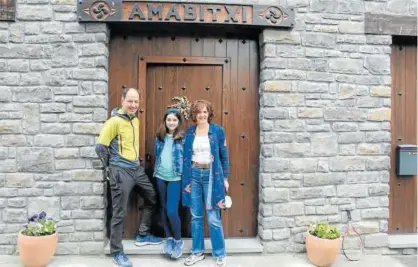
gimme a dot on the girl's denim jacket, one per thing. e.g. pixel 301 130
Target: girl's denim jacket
pixel 219 169
pixel 177 151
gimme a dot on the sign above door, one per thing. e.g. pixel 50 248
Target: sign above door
pixel 109 11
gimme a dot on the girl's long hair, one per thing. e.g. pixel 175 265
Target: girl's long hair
pixel 163 130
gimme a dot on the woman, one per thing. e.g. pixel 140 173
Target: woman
pixel 205 179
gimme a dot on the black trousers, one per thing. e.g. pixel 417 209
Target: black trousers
pixel 121 181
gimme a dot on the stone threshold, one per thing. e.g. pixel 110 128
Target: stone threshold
pixel 233 246
pixel 403 241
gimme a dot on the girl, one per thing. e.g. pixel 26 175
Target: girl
pixel 205 179
pixel 168 150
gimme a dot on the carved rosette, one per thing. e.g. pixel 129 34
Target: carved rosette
pixel 273 15
pixel 100 10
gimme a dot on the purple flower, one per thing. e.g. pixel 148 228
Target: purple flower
pixel 42 215
pixel 33 218
pixel 25 225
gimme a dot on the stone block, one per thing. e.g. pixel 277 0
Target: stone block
pixel 15 202
pixel 375 213
pixel 379 190
pixel 87 128
pixel 351 27
pixel 346 65
pixel 275 165
pixel 281 234
pixel 72 188
pixel 93 75
pixel 92 202
pixel 323 6
pixel 377 65
pixel 15 215
pixel 32 94
pixel 16 180
pixel 275 195
pixel 281 36
pixel 89 225
pixel 320 179
pixel 369 149
pixel 69 164
pixel 378 163
pixel 352 191
pixel 10 126
pixel 324 144
pixel 285 150
pixel 306 193
pixel 49 140
pixel 303 165
pixel 277 86
pixel 70 202
pixel 347 163
pixel 79 140
pixel 288 209
pixel 276 222
pixel 35 160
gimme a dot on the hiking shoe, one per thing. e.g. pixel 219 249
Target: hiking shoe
pixel 168 246
pixel 120 259
pixel 147 240
pixel 177 249
pixel 220 262
pixel 193 258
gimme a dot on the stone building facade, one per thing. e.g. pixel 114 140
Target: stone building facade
pixel 325 108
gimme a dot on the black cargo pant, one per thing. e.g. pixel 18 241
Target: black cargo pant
pixel 121 181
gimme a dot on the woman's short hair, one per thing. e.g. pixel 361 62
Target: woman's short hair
pixel 198 105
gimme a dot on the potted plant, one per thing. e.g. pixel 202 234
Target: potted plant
pixel 323 243
pixel 38 240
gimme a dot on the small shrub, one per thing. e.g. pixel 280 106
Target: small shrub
pixel 40 225
pixel 324 230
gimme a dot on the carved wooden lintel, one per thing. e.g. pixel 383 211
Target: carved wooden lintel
pixel 184 12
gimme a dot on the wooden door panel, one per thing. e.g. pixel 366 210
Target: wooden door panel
pixel 234 94
pixel 167 81
pixel 403 189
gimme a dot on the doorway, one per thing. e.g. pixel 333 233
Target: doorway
pixel 219 69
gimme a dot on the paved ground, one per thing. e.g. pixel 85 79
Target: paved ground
pixel 282 260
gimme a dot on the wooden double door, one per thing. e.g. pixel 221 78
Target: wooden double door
pixel 220 70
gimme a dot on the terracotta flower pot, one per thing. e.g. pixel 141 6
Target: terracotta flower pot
pixel 36 251
pixel 322 252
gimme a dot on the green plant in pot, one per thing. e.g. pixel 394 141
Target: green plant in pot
pixel 37 241
pixel 323 243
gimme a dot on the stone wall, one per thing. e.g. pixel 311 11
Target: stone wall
pixel 53 101
pixel 325 133
pixel 325 122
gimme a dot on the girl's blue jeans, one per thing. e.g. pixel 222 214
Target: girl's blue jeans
pixel 169 193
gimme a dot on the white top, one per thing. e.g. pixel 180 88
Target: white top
pixel 201 149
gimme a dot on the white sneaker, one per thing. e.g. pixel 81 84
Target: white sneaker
pixel 221 262
pixel 193 258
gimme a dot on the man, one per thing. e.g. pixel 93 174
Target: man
pixel 117 147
